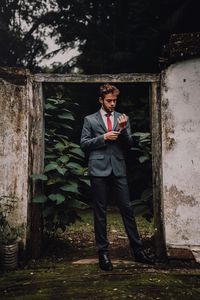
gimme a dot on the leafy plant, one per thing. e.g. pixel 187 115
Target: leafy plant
pixel 144 205
pixel 8 234
pixel 144 146
pixel 64 174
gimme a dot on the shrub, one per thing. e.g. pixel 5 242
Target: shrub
pixel 63 174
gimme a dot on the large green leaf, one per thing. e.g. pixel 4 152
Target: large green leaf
pixel 59 198
pixel 64 158
pixel 143 158
pixel 49 106
pixel 64 139
pixel 71 186
pixel 39 177
pixel 55 180
pixel 61 170
pixel 74 165
pixel 51 166
pixel 142 134
pixel 86 181
pixel 59 146
pixel 39 198
pixel 67 110
pixel 61 101
pixel 66 116
pixel 77 172
pixel 65 126
pixel 73 145
pixel 47 115
pixel 145 141
pixel 78 204
pixel 77 151
pixel 52 100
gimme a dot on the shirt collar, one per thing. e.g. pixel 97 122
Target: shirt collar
pixel 103 112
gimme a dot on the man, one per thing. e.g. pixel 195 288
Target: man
pixel 105 136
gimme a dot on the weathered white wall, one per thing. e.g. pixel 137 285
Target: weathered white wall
pixel 180 115
pixel 14 150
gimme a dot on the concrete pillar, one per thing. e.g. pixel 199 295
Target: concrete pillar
pixel 180 120
pixel 21 146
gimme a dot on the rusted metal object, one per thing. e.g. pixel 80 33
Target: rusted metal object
pixel 9 256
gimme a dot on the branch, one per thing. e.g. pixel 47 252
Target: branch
pixel 45 19
pixel 52 53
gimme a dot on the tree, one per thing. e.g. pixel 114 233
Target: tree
pixel 123 36
pixel 179 16
pixel 113 36
pixel 23 28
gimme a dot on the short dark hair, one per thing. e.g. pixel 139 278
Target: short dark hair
pixel 107 89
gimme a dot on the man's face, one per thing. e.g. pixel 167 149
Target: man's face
pixel 109 102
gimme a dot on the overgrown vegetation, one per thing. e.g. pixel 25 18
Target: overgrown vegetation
pixel 8 233
pixel 63 175
pixel 112 36
pixel 144 205
pixel 135 103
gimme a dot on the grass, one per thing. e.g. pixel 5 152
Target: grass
pixel 114 222
pixel 78 240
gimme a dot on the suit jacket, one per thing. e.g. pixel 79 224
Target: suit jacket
pixel 104 156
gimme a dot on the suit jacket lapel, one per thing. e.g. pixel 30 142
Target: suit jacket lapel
pixel 100 121
pixel 115 121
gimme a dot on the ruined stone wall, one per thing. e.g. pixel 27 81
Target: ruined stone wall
pixel 180 115
pixel 15 95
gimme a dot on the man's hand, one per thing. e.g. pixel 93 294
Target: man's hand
pixel 122 121
pixel 111 135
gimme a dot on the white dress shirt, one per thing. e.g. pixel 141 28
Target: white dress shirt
pixel 104 117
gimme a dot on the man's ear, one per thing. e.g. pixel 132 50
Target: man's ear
pixel 101 100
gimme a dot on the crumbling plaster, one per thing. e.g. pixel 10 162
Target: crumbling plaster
pixel 14 152
pixel 180 118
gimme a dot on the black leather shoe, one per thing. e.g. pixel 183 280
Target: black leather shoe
pixel 105 262
pixel 142 257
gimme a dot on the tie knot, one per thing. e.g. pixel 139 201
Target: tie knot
pixel 108 114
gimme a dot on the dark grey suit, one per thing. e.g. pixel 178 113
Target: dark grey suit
pixel 107 169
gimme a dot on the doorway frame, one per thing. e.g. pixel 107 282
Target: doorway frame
pixel 155 124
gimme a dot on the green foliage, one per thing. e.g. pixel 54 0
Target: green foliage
pixel 144 205
pixel 139 160
pixel 144 146
pixel 8 234
pixel 22 31
pixel 63 172
pixel 112 36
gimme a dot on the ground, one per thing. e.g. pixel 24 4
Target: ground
pixel 69 269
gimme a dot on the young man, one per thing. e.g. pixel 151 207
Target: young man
pixel 105 136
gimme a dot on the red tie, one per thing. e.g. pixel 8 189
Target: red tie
pixel 109 123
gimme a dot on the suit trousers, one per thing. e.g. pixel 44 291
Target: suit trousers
pixel 101 187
